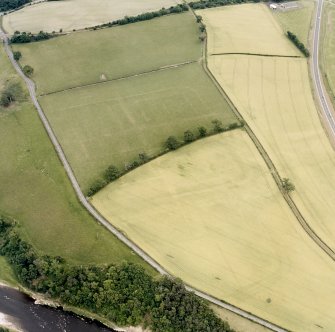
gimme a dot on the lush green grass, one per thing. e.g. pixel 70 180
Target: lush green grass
pixel 36 192
pixel 112 123
pixel 297 21
pixel 6 272
pixel 328 48
pixel 93 56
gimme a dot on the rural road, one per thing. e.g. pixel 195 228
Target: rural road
pixel 316 73
pixel 31 87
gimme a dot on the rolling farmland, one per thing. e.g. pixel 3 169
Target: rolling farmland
pixel 86 58
pixel 36 192
pixel 77 14
pixel 186 211
pixel 112 123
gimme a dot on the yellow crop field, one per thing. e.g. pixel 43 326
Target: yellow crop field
pixel 211 214
pixel 274 96
pixel 77 14
pixel 247 28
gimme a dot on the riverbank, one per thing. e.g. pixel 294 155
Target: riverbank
pixel 40 299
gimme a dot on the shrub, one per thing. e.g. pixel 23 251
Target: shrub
pixel 10 94
pixel 28 70
pixel 111 173
pixel 288 186
pixel 172 143
pixel 143 157
pixel 95 187
pixel 202 131
pixel 17 55
pixel 188 136
pixel 217 126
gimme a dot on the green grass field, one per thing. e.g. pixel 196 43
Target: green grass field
pixel 35 191
pixel 247 28
pixel 6 273
pixel 212 215
pixel 111 123
pixel 297 21
pixel 95 56
pixel 55 15
pixel 328 48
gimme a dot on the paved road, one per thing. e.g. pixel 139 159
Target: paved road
pixel 316 73
pixel 31 87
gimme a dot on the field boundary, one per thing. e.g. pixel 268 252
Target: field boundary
pixel 268 161
pixel 256 54
pixel 173 66
pixel 31 88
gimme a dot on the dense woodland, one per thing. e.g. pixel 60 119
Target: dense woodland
pixel 125 294
pixel 11 4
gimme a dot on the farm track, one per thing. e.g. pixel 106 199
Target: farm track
pixel 177 65
pixel 94 213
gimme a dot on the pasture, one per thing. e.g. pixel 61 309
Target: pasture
pixel 37 193
pixel 327 53
pixel 212 215
pixel 77 14
pixel 95 56
pixel 112 122
pixel 274 96
pixel 247 28
pixel 298 20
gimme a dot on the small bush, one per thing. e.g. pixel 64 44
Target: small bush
pixel 11 93
pixel 188 136
pixel 28 70
pixel 172 143
pixel 143 157
pixel 202 131
pixel 288 185
pixel 217 126
pixel 17 55
pixel 95 187
pixel 111 173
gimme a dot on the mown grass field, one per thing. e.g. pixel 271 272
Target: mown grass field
pixel 94 56
pixel 297 21
pixel 328 48
pixel 111 123
pixel 211 214
pixel 77 14
pixel 36 192
pixel 274 96
pixel 247 28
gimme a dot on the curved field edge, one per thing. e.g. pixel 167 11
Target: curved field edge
pixel 36 191
pixel 53 16
pixel 185 211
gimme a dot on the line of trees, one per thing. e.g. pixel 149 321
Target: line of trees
pixel 27 37
pixel 172 143
pixel 145 16
pixel 12 4
pixel 203 4
pixel 298 43
pixel 123 293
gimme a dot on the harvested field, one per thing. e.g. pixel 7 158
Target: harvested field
pixel 247 28
pixel 111 123
pixel 37 193
pixel 274 96
pixel 77 14
pixel 95 56
pixel 211 214
pixel 297 20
